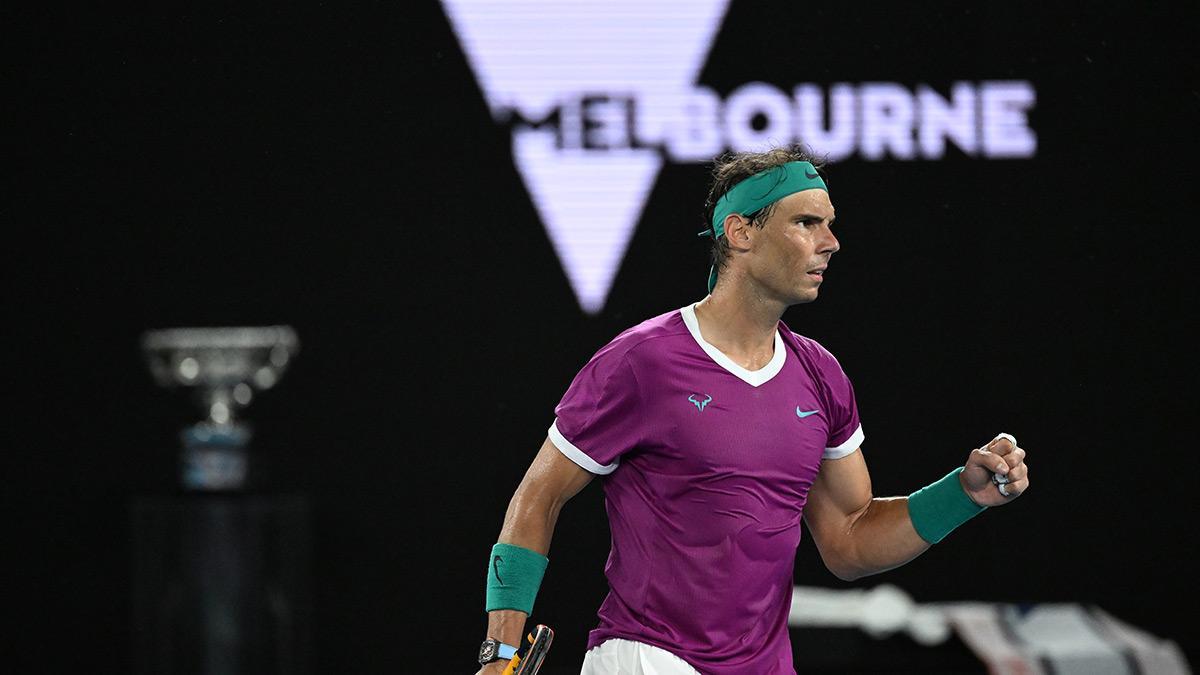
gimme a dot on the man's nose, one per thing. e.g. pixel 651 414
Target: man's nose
pixel 829 243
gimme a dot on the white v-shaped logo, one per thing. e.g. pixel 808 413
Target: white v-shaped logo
pixel 537 59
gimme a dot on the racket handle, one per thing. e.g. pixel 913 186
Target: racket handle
pixel 529 657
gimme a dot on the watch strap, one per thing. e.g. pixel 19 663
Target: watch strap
pixel 506 652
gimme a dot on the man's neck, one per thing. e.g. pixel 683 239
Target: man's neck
pixel 741 325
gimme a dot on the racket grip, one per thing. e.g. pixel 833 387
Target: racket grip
pixel 530 658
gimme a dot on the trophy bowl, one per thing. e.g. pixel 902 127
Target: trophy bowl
pixel 225 367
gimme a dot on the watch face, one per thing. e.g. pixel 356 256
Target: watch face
pixel 487 652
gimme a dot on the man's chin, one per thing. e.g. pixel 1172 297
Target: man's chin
pixel 804 297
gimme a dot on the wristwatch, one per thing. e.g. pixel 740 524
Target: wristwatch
pixel 495 650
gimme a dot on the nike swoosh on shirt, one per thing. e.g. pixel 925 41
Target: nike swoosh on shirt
pixel 802 415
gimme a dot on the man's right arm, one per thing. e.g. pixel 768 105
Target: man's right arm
pixel 551 480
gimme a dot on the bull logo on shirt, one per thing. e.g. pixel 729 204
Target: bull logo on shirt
pixel 699 404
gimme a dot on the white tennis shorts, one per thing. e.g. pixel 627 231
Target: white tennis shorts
pixel 626 657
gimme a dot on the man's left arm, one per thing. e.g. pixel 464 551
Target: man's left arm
pixel 858 535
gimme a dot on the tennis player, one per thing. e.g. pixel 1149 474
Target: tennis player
pixel 715 429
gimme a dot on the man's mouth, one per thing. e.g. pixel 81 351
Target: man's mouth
pixel 818 272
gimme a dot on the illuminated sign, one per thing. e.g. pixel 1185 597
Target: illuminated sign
pixel 600 93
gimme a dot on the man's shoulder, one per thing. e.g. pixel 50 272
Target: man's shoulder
pixel 806 347
pixel 647 334
pixel 640 345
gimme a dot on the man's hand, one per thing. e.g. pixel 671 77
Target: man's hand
pixel 1001 459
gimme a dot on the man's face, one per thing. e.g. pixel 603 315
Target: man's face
pixel 791 252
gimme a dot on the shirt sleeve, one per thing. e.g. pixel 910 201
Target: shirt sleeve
pixel 845 429
pixel 599 418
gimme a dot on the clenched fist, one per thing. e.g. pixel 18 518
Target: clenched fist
pixel 996 473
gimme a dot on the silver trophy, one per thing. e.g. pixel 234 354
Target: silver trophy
pixel 225 367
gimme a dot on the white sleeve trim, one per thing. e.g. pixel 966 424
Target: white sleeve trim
pixel 576 455
pixel 849 446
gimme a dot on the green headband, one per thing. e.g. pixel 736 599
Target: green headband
pixel 759 191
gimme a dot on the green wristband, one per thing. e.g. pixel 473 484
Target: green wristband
pixel 513 578
pixel 938 508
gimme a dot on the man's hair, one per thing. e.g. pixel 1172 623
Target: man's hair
pixel 732 168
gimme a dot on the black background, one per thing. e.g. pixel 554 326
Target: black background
pixel 336 168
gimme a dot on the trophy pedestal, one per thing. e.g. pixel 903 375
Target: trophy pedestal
pixel 221 584
pixel 214 457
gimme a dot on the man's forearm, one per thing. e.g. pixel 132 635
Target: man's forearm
pixel 881 538
pixel 528 523
pixel 549 483
pixel 530 520
pixel 506 625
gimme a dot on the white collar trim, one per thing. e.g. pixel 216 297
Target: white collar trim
pixel 752 377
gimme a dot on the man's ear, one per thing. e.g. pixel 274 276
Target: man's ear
pixel 737 231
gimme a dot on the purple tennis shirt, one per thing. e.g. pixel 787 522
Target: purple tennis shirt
pixel 706 469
